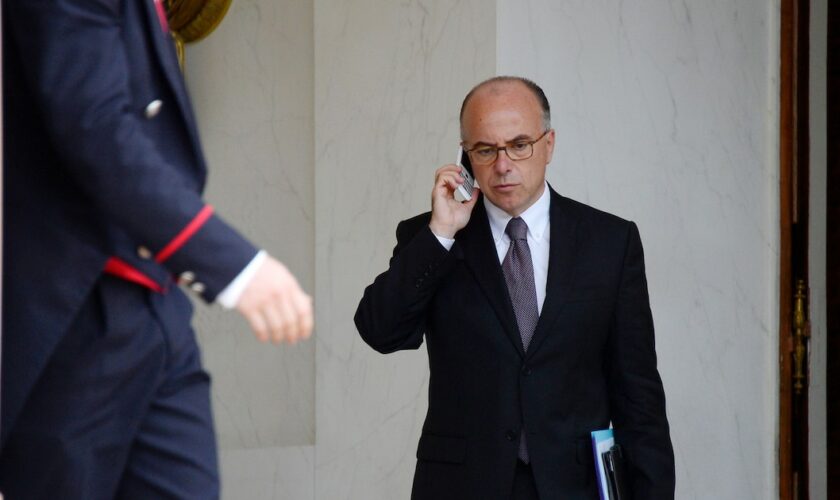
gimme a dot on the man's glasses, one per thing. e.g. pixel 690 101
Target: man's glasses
pixel 516 150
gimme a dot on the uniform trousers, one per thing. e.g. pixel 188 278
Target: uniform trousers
pixel 122 409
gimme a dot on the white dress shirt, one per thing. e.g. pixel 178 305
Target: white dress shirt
pixel 537 219
pixel 229 297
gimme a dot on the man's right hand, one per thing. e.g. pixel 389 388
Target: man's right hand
pixel 448 214
pixel 275 306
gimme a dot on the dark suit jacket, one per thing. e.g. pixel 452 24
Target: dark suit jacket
pixel 591 360
pixel 88 175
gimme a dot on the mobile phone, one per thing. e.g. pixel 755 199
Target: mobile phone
pixel 465 190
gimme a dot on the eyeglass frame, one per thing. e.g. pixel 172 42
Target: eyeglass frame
pixel 505 148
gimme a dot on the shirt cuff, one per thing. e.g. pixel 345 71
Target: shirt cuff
pixel 446 242
pixel 229 297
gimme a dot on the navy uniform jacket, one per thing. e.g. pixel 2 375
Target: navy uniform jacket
pixel 94 169
pixel 591 360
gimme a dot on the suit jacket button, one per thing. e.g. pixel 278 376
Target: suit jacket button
pixel 510 435
pixel 526 370
pixel 144 253
pixel 153 108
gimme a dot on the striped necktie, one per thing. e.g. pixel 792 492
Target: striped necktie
pixel 519 277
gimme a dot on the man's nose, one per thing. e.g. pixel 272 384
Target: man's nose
pixel 503 163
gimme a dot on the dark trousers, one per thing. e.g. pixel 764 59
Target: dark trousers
pixel 524 486
pixel 122 409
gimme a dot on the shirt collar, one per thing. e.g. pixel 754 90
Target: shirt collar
pixel 535 216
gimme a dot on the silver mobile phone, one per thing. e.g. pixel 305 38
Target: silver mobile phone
pixel 465 190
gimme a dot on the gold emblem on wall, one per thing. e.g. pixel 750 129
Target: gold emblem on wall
pixel 192 20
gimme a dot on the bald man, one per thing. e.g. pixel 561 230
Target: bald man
pixel 536 317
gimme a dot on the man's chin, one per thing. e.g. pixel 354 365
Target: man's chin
pixel 509 203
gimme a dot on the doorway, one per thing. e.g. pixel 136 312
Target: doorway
pixel 795 164
pixel 794 172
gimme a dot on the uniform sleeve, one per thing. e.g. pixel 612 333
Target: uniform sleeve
pixel 77 69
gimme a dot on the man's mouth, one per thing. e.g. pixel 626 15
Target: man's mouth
pixel 504 187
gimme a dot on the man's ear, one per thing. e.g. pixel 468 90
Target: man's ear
pixel 549 145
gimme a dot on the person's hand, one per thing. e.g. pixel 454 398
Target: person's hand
pixel 448 214
pixel 275 306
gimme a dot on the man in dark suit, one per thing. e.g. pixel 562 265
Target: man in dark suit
pixel 103 392
pixel 535 312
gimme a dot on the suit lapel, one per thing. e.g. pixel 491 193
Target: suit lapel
pixel 168 59
pixel 475 244
pixel 561 257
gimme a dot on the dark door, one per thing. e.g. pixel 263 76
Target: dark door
pixel 793 279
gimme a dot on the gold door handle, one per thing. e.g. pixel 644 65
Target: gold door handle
pixel 801 334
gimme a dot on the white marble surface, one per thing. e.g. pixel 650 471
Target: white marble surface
pixel 281 473
pixel 817 422
pixel 666 113
pixel 251 83
pixel 389 81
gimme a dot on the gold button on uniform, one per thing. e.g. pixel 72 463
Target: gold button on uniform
pixel 187 277
pixel 153 108
pixel 144 253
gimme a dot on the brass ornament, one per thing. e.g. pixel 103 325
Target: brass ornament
pixel 801 336
pixel 192 20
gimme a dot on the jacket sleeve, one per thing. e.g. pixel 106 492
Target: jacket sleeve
pixel 637 398
pixel 77 69
pixel 392 313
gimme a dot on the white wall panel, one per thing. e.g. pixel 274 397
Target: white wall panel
pixel 666 113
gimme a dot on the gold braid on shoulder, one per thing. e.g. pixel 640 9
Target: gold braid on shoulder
pixel 192 20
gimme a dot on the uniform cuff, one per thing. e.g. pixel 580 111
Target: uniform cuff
pixel 229 296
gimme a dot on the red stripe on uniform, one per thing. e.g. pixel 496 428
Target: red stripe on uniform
pixel 181 238
pixel 161 12
pixel 124 270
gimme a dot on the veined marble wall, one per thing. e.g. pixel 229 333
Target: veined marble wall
pixel 389 80
pixel 252 84
pixel 667 114
pixel 324 122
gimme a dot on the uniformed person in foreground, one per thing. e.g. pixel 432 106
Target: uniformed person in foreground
pixel 103 392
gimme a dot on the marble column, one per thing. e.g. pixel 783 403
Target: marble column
pixel 252 87
pixel 389 79
pixel 324 122
pixel 667 114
